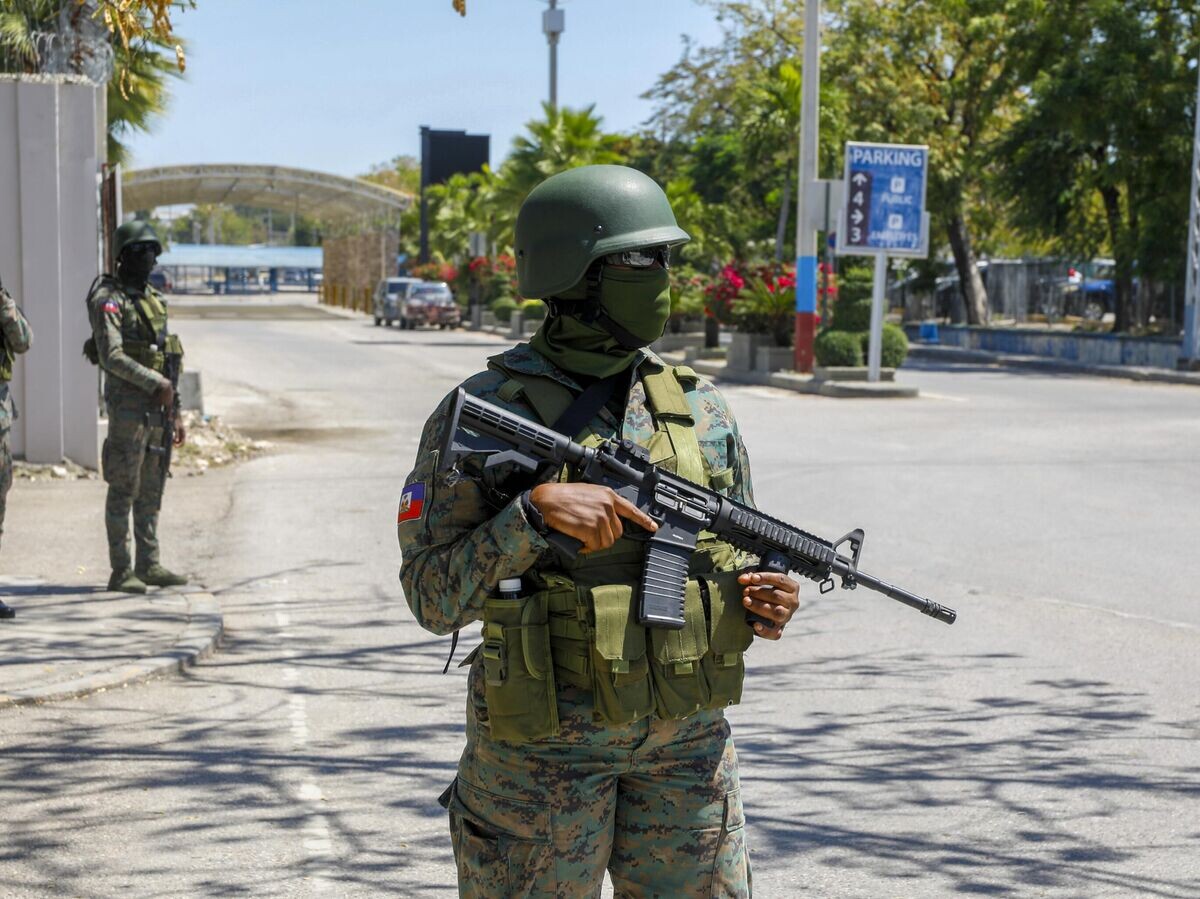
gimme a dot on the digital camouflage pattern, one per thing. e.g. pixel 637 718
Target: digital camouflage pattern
pixel 135 421
pixel 656 802
pixel 15 337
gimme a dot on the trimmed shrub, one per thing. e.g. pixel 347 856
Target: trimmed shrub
pixel 895 346
pixel 503 309
pixel 533 309
pixel 838 349
pixel 855 283
pixel 851 314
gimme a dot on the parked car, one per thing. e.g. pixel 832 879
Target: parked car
pixel 431 303
pixel 389 299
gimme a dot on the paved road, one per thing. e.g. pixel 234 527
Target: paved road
pixel 1046 744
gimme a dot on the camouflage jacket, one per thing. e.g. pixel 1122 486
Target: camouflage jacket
pixel 460 534
pixel 16 336
pixel 116 322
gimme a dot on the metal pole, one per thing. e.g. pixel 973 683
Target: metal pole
pixel 553 64
pixel 1191 309
pixel 878 296
pixel 806 238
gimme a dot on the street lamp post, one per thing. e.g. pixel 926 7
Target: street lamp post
pixel 553 25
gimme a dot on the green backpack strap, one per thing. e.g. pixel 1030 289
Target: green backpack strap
pixel 670 408
pixel 548 398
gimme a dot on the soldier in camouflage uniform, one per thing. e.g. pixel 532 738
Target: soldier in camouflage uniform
pixel 15 337
pixel 130 342
pixel 593 742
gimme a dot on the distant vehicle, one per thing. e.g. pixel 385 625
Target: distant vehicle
pixel 161 281
pixel 389 299
pixel 431 303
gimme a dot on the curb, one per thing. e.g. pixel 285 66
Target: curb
pixel 201 636
pixel 805 383
pixel 957 355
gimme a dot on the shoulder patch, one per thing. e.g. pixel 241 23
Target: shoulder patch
pixel 412 503
pixel 110 306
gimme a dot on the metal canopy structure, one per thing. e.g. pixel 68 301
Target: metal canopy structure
pixel 325 196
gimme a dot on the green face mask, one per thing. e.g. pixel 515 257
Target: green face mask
pixel 637 299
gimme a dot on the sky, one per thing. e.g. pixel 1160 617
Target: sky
pixel 339 87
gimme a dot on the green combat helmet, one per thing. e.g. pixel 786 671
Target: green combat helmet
pixel 136 231
pixel 573 218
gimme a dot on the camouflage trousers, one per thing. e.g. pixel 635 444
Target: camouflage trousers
pixel 134 476
pixel 656 803
pixel 6 464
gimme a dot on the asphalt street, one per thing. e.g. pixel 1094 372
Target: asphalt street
pixel 1044 745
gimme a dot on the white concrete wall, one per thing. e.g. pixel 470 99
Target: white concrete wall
pixel 50 150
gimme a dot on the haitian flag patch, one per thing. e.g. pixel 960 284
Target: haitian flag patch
pixel 412 503
pixel 110 306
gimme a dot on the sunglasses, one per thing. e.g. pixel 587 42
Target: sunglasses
pixel 644 257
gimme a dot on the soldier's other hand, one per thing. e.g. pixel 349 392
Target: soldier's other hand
pixel 770 595
pixel 165 395
pixel 590 513
pixel 180 433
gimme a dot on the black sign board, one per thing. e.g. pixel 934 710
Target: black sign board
pixel 446 153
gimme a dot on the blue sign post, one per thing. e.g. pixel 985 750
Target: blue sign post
pixel 884 215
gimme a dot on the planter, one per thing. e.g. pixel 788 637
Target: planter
pixel 673 343
pixel 516 325
pixel 849 373
pixel 489 318
pixel 774 358
pixel 743 350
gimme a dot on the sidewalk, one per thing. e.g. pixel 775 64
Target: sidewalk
pixel 69 641
pixel 958 356
pixel 71 637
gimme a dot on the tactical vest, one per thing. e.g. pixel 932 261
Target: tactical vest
pixel 152 343
pixel 579 625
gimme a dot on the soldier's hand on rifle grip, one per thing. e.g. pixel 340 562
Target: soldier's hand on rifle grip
pixel 770 595
pixel 591 513
pixel 166 394
pixel 180 432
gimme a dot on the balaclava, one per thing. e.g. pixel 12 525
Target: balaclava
pixel 580 335
pixel 136 262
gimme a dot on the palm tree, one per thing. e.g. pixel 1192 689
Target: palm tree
pixel 564 139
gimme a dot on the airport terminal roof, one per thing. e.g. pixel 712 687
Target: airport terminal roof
pixel 225 256
pixel 328 197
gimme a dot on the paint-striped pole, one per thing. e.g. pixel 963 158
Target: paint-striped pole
pixel 1191 310
pixel 806 236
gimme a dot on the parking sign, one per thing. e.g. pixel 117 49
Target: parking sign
pixel 884 206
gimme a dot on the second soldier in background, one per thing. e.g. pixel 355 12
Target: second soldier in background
pixel 130 341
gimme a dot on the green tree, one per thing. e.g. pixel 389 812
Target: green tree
pixel 1098 160
pixel 946 73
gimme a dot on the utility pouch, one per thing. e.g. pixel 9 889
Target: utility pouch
pixel 621 691
pixel 173 345
pixel 518 669
pixel 680 687
pixel 729 637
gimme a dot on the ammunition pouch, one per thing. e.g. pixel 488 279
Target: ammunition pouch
pixel 518 669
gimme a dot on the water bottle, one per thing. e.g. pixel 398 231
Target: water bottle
pixel 510 588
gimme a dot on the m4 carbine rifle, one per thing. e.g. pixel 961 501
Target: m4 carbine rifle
pixel 680 508
pixel 172 366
